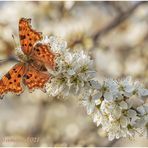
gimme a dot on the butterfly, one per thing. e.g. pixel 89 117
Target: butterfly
pixel 32 70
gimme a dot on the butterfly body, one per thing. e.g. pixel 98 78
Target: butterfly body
pixel 34 57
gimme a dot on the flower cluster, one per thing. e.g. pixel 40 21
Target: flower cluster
pixel 72 71
pixel 122 111
pixel 118 106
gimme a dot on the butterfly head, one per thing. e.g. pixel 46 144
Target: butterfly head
pixel 21 56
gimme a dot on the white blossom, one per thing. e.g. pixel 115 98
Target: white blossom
pixel 117 106
pixel 73 70
pixel 89 102
pixel 117 113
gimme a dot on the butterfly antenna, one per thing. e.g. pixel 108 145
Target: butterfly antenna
pixel 15 45
pixel 3 61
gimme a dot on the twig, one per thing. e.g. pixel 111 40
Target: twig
pixel 118 20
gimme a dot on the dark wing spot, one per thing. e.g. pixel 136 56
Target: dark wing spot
pixel 22 37
pixel 20 28
pixel 26 76
pixel 30 44
pixel 43 68
pixel 14 80
pixel 8 76
pixel 18 75
pixel 15 70
pixel 10 82
pixel 37 49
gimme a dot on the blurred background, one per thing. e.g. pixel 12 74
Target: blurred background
pixel 114 34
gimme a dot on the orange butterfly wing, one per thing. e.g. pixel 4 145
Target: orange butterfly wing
pixel 42 53
pixel 28 36
pixel 32 78
pixel 11 81
pixel 35 79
